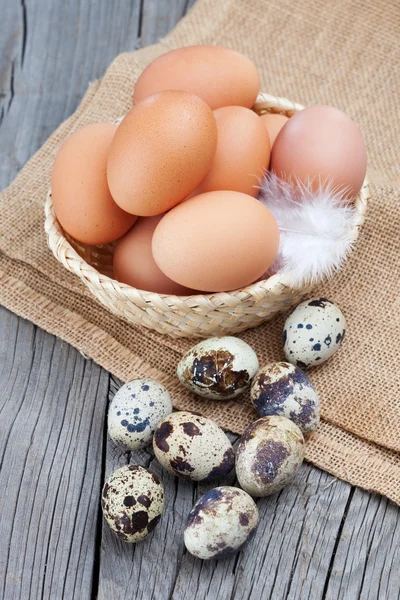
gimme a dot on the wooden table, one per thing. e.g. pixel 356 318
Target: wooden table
pixel 320 538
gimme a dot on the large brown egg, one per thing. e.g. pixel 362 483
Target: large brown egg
pixel 217 241
pixel 220 76
pixel 273 123
pixel 81 198
pixel 323 145
pixel 161 151
pixel 242 153
pixel 134 263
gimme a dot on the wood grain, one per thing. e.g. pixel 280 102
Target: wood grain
pixel 318 539
pixel 367 556
pixel 160 17
pixel 52 408
pixel 291 550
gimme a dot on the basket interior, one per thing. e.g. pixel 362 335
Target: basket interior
pixel 101 257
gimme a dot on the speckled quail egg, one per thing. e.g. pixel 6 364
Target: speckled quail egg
pixel 192 446
pixel 132 502
pixel 269 455
pixel 218 368
pixel 313 332
pixel 135 411
pixel 220 523
pixel 283 389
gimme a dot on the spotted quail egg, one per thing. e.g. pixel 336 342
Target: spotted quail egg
pixel 220 523
pixel 218 368
pixel 192 446
pixel 135 411
pixel 132 502
pixel 269 455
pixel 313 332
pixel 283 389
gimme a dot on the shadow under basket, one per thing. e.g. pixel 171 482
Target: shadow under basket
pixel 203 315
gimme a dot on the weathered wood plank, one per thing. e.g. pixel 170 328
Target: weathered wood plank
pixel 52 474
pixel 52 407
pixel 367 557
pixel 160 17
pixel 290 554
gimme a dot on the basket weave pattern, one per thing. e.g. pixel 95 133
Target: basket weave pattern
pixel 193 316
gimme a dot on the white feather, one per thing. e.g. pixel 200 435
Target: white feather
pixel 315 227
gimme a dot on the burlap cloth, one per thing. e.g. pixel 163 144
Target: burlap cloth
pixel 344 53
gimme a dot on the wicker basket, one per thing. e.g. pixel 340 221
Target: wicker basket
pixel 201 315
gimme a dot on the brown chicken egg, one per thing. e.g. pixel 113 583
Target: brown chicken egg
pixel 161 152
pixel 134 263
pixel 217 241
pixel 323 145
pixel 81 197
pixel 273 123
pixel 242 153
pixel 220 76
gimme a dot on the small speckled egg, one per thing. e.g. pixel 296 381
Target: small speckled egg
pixel 135 411
pixel 132 502
pixel 283 389
pixel 313 332
pixel 269 455
pixel 220 523
pixel 192 446
pixel 218 368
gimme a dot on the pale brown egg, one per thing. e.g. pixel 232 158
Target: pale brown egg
pixel 242 154
pixel 321 144
pixel 217 241
pixel 134 263
pixel 81 198
pixel 273 123
pixel 161 152
pixel 220 76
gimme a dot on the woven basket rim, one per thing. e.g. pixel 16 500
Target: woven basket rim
pixel 70 258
